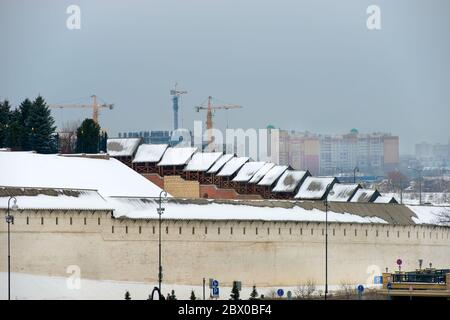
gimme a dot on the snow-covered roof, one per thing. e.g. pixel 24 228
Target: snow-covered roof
pixel 272 175
pixel 263 210
pixel 364 195
pixel 262 172
pixel 150 153
pixel 109 176
pixel 202 161
pixel 385 199
pixel 220 163
pixel 58 199
pixel 429 214
pixel 314 188
pixel 289 181
pixel 342 192
pixel 177 156
pixel 122 147
pixel 232 166
pixel 248 170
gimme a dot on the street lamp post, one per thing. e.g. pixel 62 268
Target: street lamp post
pixel 160 211
pixel 326 203
pixel 419 180
pixel 9 220
pixel 356 169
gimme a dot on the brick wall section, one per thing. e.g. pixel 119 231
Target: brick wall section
pixel 155 178
pixel 212 192
pixel 178 187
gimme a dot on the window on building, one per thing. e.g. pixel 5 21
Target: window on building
pixel 98 221
pixel 218 230
pixel 153 230
pixel 112 229
pixel 290 230
pixel 256 230
pixel 356 232
pixel 377 233
pixel 312 231
pixel 231 230
pixel 279 230
pixel 167 230
pixel 193 230
pixel 206 230
pixel 409 234
pixel 179 230
pixel 334 232
pixel 28 220
pixel 56 220
pixel 140 229
pixel 70 221
pixel 367 233
pixel 301 231
pixel 387 233
pixel 345 232
pixel 268 230
pixel 398 234
pixel 42 220
pixel 243 230
pixel 85 221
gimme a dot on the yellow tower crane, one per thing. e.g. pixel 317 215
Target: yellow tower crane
pixel 95 107
pixel 209 114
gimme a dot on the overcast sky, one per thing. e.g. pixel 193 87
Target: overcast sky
pixel 297 64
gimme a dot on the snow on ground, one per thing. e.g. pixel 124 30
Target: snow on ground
pixel 435 198
pixel 109 176
pixel 39 287
pixel 428 214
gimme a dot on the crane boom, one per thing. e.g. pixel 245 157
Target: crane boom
pixel 95 107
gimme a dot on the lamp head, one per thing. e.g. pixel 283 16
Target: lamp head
pixel 14 206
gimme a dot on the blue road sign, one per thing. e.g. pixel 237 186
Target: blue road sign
pixel 280 292
pixel 378 280
pixel 360 288
pixel 215 283
pixel 389 285
pixel 215 291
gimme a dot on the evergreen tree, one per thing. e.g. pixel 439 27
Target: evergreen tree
pixel 23 126
pixel 88 137
pixel 14 132
pixel 193 297
pixel 254 294
pixel 103 142
pixel 127 296
pixel 40 128
pixel 234 291
pixel 5 114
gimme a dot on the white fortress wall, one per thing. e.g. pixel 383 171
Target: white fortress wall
pixel 265 254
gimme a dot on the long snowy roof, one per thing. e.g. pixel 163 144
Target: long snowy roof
pixel 314 188
pixel 248 170
pixel 274 210
pixel 262 172
pixel 220 163
pixel 272 175
pixel 232 166
pixel 202 161
pixel 150 153
pixel 109 177
pixel 363 195
pixel 342 192
pixel 289 181
pixel 177 156
pixel 385 199
pixel 57 199
pixel 122 147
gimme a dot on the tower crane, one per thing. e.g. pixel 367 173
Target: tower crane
pixel 95 107
pixel 209 113
pixel 176 95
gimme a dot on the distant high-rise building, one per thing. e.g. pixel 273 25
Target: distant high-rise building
pixel 433 155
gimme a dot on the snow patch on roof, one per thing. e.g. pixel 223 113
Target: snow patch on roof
pixel 150 153
pixel 202 161
pixel 342 192
pixel 220 163
pixel 109 177
pixel 428 214
pixel 262 172
pixel 385 199
pixel 177 156
pixel 122 147
pixel 146 209
pixel 232 166
pixel 363 195
pixel 272 175
pixel 62 199
pixel 248 170
pixel 314 188
pixel 289 181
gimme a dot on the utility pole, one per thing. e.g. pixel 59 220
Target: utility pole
pixel 160 211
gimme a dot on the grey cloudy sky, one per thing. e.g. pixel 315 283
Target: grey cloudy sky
pixel 305 65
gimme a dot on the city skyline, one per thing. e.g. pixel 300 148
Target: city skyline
pixel 304 66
